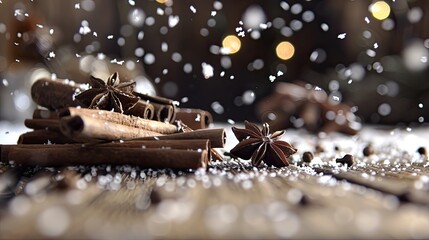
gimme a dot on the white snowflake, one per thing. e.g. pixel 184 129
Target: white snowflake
pixel 208 70
pixel 342 35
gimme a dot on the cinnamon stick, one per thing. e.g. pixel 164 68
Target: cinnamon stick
pixel 92 129
pixel 51 124
pixel 165 109
pixel 67 155
pixel 44 136
pixel 54 94
pixel 164 113
pixel 190 144
pixel 194 118
pixel 122 119
pixel 142 109
pixel 216 136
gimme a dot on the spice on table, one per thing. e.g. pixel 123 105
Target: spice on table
pixel 261 145
pixel 109 95
pixel 347 159
pixel 368 150
pixel 307 157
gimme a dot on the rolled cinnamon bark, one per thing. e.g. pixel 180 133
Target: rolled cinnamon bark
pixel 194 118
pixel 122 119
pixel 51 124
pixel 92 129
pixel 165 109
pixel 67 155
pixel 217 137
pixel 142 109
pixel 43 136
pixel 190 144
pixel 54 94
pixel 164 113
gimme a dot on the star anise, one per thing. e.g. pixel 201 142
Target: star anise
pixel 261 145
pixel 109 95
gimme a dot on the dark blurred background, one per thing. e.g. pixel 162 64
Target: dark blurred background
pixel 372 55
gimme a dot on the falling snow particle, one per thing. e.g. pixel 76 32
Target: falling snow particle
pixel 325 27
pixel 173 21
pixel 132 2
pixel 272 78
pixel 217 107
pixel 110 37
pixel 208 70
pixel 213 13
pixel 159 11
pixel 5 82
pixel 342 35
pixel 84 28
pixel 51 31
pixel 366 19
pixel 230 121
pixel 77 6
pixel 279 73
pixel 193 9
pixel 52 54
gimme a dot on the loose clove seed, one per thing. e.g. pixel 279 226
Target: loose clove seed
pixel 368 150
pixel 347 159
pixel 307 157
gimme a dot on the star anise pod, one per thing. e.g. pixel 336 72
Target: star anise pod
pixel 261 145
pixel 109 95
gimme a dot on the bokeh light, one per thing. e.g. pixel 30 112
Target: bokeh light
pixel 285 50
pixel 231 44
pixel 380 10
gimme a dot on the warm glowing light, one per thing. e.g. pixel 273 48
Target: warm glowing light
pixel 162 1
pixel 380 10
pixel 231 44
pixel 285 50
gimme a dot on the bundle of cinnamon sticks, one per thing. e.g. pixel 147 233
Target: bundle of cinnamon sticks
pixel 66 133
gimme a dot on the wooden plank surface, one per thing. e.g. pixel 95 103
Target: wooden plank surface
pixel 382 196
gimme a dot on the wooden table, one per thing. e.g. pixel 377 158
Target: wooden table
pixel 385 195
